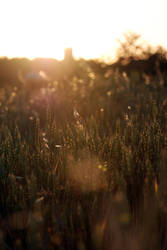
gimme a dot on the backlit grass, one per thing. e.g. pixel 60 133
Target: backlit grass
pixel 83 164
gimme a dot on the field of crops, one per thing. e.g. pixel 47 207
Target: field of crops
pixel 83 163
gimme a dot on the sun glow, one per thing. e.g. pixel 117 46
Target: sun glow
pixel 43 28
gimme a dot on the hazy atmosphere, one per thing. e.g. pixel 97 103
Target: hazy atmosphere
pixel 43 28
pixel 83 125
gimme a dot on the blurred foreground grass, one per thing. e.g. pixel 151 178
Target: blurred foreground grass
pixel 83 164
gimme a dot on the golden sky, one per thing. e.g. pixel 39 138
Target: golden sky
pixel 43 28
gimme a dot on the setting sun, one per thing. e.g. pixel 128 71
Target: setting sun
pixel 83 124
pixel 44 28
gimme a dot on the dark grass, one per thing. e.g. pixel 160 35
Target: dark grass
pixel 83 164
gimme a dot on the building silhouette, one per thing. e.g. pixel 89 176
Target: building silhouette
pixel 68 55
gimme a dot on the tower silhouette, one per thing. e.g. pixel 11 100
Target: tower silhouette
pixel 68 55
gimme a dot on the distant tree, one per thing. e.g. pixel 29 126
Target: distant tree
pixel 131 47
pixel 134 56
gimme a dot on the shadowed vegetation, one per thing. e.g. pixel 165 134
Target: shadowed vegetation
pixel 82 156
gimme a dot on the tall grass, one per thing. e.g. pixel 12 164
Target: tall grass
pixel 83 164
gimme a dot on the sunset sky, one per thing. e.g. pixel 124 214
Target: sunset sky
pixel 43 28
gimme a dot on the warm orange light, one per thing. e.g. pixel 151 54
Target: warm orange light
pixel 43 28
